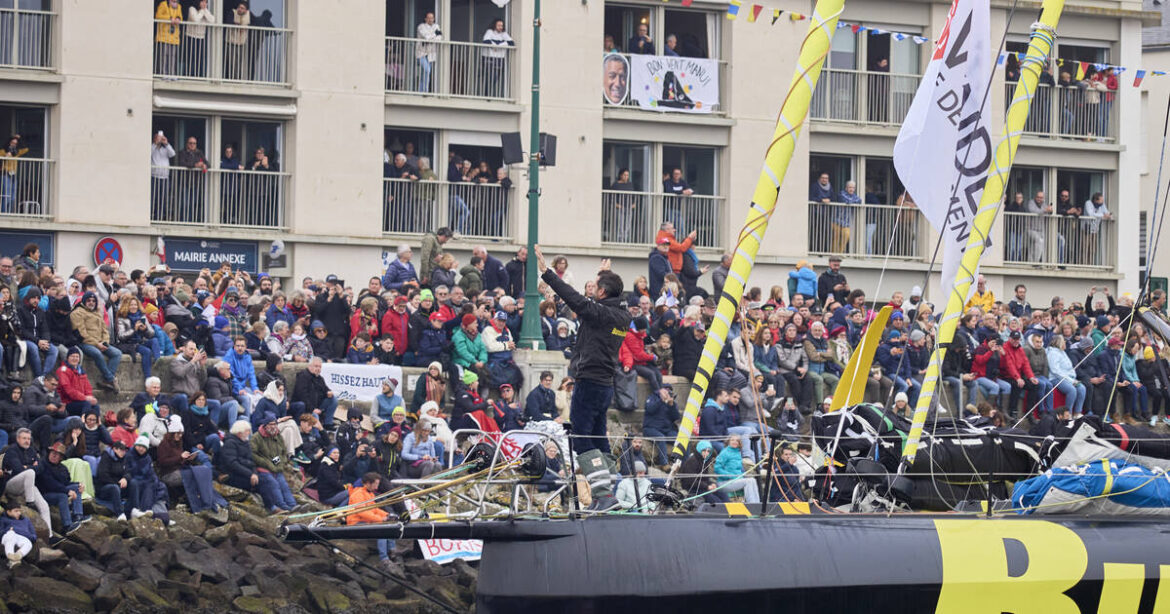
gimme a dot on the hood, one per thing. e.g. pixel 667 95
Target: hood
pixel 85 297
pixel 468 269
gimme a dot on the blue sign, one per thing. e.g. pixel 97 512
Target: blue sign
pixel 197 254
pixel 12 244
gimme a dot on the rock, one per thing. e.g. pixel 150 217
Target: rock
pixel 260 524
pixel 82 575
pixel 442 589
pixel 46 556
pixel 326 597
pixel 252 604
pixel 113 547
pixel 465 574
pixel 149 529
pixel 220 534
pixel 195 524
pixel 92 534
pixel 231 493
pixel 423 567
pixel 213 563
pixel 48 594
pixel 408 605
pixel 139 592
pixel 260 556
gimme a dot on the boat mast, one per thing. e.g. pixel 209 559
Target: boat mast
pixel 1039 46
pixel 813 51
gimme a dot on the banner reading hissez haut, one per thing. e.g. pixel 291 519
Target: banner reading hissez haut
pixel 674 84
pixel 359 382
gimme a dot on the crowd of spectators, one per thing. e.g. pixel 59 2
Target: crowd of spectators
pixel 229 413
pixel 476 193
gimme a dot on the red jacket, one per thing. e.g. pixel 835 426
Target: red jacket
pixel 394 324
pixel 357 326
pixel 74 386
pixel 1014 363
pixel 633 350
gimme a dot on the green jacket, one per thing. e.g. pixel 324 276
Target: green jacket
pixel 468 351
pixel 264 449
pixel 429 251
pixel 472 281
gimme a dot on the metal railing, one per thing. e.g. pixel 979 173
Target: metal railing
pixel 1061 240
pixel 473 209
pixel 217 197
pixel 26 39
pixel 717 109
pixel 24 186
pixel 863 97
pixel 1070 112
pixel 449 69
pixel 219 52
pixel 632 218
pixel 864 230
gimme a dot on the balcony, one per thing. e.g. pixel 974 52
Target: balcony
pixel 219 53
pixel 1070 113
pixel 24 187
pixel 448 69
pixel 477 210
pixel 863 97
pixel 1059 240
pixel 633 218
pixel 26 39
pixel 864 230
pixel 218 198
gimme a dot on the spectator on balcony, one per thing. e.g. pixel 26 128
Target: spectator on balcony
pixel 498 197
pixel 671 45
pixel 13 150
pixel 168 15
pixel 195 54
pixel 427 52
pixel 1104 82
pixel 190 183
pixel 237 57
pixel 609 45
pixel 260 206
pixel 1035 226
pixel 879 91
pixel 1094 211
pixel 495 59
pixel 641 42
pixel 400 196
pixel 624 207
pixel 821 191
pixel 842 220
pixel 676 187
pixel 458 210
pixel 161 153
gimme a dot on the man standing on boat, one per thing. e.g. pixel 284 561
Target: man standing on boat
pixel 603 325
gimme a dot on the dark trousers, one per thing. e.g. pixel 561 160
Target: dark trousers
pixel 587 414
pixel 1013 408
pixel 800 389
pixel 70 510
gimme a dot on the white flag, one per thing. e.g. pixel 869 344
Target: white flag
pixel 944 147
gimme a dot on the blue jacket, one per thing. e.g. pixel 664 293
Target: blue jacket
pixel 541 404
pixel 221 341
pixel 386 405
pixel 398 273
pixel 729 464
pixel 243 371
pixel 273 315
pixel 22 526
pixel 806 281
pixel 359 357
pixel 494 274
pixel 713 420
pixel 659 269
pixel 139 467
pixel 893 365
pixel 413 450
pixel 53 478
pixel 816 193
pixel 1107 364
pixel 430 344
pixel 659 415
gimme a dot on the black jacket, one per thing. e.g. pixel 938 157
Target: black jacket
pixel 60 327
pixel 494 274
pixel 687 350
pixel 334 314
pixel 659 415
pixel 111 469
pixel 697 472
pixel 825 284
pixel 541 404
pixel 53 478
pixel 466 402
pixel 18 459
pixel 17 414
pixel 329 479
pixel 235 459
pixel 196 428
pixel 602 328
pixel 33 323
pixel 217 388
pixel 310 389
pixel 516 271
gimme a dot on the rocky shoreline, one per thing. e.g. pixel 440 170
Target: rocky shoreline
pixel 233 562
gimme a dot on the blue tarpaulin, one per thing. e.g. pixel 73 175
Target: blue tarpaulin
pixel 1102 485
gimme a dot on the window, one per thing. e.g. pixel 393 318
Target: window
pixel 413 143
pixel 1026 181
pixel 265 13
pixel 469 19
pixel 1082 185
pixel 24 182
pixel 697 164
pixel 695 32
pixel 249 136
pixel 635 158
pixel 874 222
pixel 403 16
pixel 839 168
pixel 179 129
pixel 31 124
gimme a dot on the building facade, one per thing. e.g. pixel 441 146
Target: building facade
pixel 292 114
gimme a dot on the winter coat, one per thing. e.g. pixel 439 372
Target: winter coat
pixel 633 351
pixel 22 526
pixel 398 273
pixel 217 388
pixel 713 420
pixel 541 404
pixel 197 428
pixel 329 479
pixel 471 280
pixel 659 415
pixel 89 325
pixel 1037 359
pixel 687 350
pixel 806 281
pixel 235 459
pixel 268 452
pixel 1014 363
pixel 986 363
pixel 468 350
pixel 790 356
pixel 243 371
pixel 187 377
pixel 310 389
pixel 659 268
pixel 111 469
pixel 729 464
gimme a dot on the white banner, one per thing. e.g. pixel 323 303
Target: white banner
pixel 944 147
pixel 359 382
pixel 443 551
pixel 675 84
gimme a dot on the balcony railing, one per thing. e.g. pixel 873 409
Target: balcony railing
pixel 24 187
pixel 218 52
pixel 26 39
pixel 1061 240
pixel 864 230
pixel 449 69
pixel 482 210
pixel 633 218
pixel 863 97
pixel 216 197
pixel 1070 112
pixel 717 109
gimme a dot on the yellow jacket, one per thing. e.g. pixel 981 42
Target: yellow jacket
pixel 168 33
pixel 90 326
pixel 8 165
pixel 985 301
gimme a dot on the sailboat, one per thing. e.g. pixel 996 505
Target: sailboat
pixel 877 553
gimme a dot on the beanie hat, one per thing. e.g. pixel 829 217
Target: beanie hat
pixel 220 322
pixel 917 335
pixel 901 396
pixel 73 349
pixel 639 466
pixel 1102 321
pixel 143 441
pixel 426 295
pixel 398 411
pixel 182 296
pixel 1082 321
pixel 436 365
pixel 468 319
pixel 469 377
pixel 1148 353
pixel 703 445
pixel 428 406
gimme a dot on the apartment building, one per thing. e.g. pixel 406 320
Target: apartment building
pixel 299 108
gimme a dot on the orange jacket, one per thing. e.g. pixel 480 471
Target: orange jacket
pixel 677 249
pixel 357 495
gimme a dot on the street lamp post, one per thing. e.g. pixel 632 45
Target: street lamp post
pixel 530 335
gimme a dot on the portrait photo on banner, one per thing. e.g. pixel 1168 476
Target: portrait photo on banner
pixel 615 78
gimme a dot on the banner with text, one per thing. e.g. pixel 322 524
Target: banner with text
pixel 359 382
pixel 443 551
pixel 674 84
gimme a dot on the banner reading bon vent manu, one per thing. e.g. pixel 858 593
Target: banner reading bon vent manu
pixel 674 84
pixel 944 147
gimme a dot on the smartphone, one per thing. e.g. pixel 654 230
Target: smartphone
pixel 160 133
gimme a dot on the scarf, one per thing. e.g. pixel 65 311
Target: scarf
pixel 135 317
pixel 298 338
pixel 198 411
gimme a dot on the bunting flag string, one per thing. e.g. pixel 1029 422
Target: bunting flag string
pixel 1078 70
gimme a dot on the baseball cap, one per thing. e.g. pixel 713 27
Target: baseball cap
pixel 331 279
pixel 500 315
pixel 1015 334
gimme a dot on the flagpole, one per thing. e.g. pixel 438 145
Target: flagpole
pixel 813 52
pixel 1040 45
